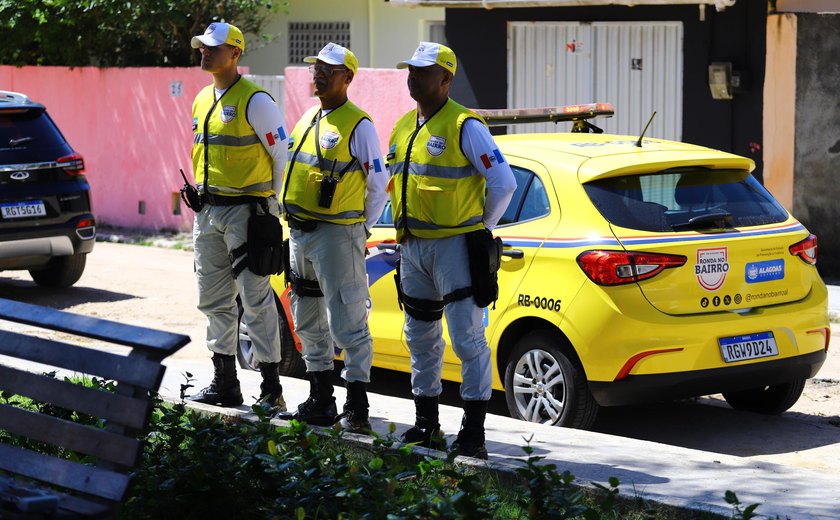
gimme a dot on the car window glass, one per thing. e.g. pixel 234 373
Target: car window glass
pixel 387 217
pixel 523 180
pixel 536 203
pixel 31 130
pixel 668 201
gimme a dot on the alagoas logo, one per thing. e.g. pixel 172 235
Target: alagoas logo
pixel 711 267
pixel 228 113
pixel 436 145
pixel 329 140
pixel 765 271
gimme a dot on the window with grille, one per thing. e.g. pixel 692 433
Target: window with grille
pixel 307 38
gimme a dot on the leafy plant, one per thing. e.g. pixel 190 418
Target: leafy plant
pixel 119 33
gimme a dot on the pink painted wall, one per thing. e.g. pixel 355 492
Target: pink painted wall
pixel 134 134
pixel 382 93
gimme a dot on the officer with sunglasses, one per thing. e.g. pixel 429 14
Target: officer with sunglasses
pixel 334 193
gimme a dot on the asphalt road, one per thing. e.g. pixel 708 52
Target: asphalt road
pixel 155 287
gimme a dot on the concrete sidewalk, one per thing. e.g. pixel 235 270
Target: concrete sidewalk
pixel 664 473
pixel 668 474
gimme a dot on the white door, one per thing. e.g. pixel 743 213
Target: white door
pixel 636 66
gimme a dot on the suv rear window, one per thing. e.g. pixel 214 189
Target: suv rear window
pixel 29 136
pixel 685 199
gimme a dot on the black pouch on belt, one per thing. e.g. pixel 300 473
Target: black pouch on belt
pixel 265 242
pixel 485 254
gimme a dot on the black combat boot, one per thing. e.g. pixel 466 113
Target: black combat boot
pixel 355 416
pixel 426 429
pixel 271 391
pixel 319 408
pixel 224 389
pixel 470 441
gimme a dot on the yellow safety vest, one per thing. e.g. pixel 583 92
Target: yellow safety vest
pixel 435 190
pixel 238 163
pixel 305 173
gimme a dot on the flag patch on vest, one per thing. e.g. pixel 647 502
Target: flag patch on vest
pixel 493 157
pixel 392 152
pixel 228 113
pixel 329 140
pixel 195 123
pixel 436 145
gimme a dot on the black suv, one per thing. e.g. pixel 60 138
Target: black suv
pixel 46 224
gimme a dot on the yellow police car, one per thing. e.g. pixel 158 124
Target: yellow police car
pixel 634 269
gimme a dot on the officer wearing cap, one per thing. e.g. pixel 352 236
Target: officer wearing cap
pixel 334 193
pixel 442 161
pixel 238 155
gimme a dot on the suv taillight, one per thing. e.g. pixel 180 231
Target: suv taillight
pixel 621 267
pixel 73 164
pixel 806 249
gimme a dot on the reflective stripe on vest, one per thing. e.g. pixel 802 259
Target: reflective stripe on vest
pixel 238 162
pixel 443 194
pixel 304 173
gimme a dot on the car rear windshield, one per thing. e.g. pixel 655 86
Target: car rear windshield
pixel 29 135
pixel 682 200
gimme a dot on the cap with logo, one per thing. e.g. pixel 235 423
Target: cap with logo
pixel 218 33
pixel 335 54
pixel 430 53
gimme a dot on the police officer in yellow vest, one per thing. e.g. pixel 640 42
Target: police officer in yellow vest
pixel 442 158
pixel 334 193
pixel 238 154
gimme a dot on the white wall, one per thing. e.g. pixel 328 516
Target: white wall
pixel 396 31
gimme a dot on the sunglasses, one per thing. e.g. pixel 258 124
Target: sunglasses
pixel 326 70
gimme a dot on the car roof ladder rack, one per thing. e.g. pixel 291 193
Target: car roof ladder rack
pixel 577 114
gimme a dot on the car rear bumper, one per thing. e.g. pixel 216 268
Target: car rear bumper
pixel 657 387
pixel 23 248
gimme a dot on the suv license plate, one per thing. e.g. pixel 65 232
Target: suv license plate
pixel 751 346
pixel 23 209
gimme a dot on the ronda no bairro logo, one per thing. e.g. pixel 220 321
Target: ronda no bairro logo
pixel 711 267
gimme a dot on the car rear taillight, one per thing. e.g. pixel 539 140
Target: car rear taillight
pixel 806 249
pixel 86 228
pixel 73 164
pixel 621 267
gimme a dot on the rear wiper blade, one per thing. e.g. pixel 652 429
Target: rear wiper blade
pixel 18 142
pixel 719 219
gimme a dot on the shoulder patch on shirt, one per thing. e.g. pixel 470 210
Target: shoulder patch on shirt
pixel 436 145
pixel 228 113
pixel 273 137
pixel 492 159
pixel 376 166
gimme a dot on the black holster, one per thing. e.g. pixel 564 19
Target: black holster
pixel 426 310
pixel 485 254
pixel 263 247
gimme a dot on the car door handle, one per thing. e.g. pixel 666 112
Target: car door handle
pixel 513 253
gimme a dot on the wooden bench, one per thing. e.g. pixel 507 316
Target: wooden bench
pixel 77 490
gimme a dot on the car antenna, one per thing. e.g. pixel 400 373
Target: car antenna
pixel 639 142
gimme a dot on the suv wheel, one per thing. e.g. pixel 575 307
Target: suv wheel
pixel 61 271
pixel 291 362
pixel 543 385
pixel 770 400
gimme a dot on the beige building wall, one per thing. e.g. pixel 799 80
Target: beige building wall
pixel 780 107
pixel 381 35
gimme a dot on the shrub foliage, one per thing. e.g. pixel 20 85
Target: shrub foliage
pixel 119 33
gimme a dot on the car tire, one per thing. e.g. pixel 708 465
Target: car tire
pixel 291 362
pixel 545 385
pixel 60 271
pixel 769 400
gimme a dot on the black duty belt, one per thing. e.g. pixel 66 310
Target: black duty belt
pixel 232 200
pixel 302 225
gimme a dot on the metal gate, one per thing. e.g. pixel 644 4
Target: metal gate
pixel 636 66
